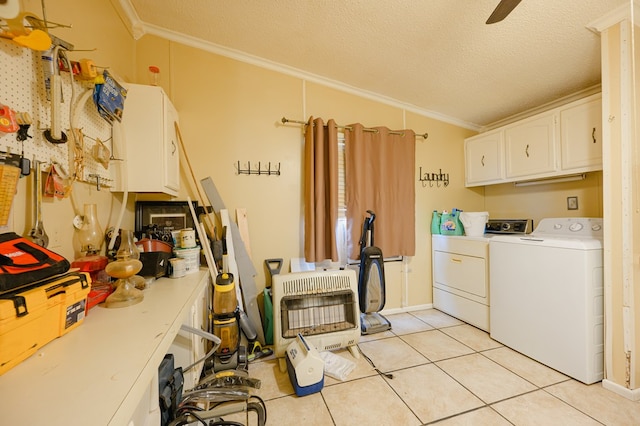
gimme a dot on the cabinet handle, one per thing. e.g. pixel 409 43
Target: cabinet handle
pixel 526 150
pixel 173 144
pixel 482 161
pixel 593 135
pixel 454 260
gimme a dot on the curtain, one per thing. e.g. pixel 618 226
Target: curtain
pixel 379 175
pixel 320 190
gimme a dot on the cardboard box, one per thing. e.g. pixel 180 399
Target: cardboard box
pixel 32 318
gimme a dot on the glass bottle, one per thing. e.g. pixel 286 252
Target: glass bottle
pixel 125 269
pixel 90 233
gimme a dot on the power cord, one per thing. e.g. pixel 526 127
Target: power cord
pixel 387 375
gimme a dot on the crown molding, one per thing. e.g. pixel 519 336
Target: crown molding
pixel 619 14
pixel 139 28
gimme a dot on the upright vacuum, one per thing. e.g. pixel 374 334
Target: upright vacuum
pixel 371 282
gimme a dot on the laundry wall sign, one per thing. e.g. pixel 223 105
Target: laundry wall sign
pixel 439 179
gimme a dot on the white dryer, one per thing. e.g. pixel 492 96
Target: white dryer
pixel 547 295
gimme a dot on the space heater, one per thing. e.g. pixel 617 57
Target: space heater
pixel 320 305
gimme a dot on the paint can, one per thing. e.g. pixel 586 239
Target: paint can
pixel 191 257
pixel 178 267
pixel 187 238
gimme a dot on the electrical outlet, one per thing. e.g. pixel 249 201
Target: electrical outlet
pixel 572 203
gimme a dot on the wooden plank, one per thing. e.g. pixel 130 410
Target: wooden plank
pixel 243 226
pixel 246 270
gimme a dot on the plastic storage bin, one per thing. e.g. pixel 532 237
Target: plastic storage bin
pixel 32 318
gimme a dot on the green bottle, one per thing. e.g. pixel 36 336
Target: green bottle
pixel 435 223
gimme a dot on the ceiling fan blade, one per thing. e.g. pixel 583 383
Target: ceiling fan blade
pixel 501 11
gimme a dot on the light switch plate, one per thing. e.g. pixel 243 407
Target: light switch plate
pixel 572 203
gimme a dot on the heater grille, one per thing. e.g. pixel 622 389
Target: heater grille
pixel 316 283
pixel 322 306
pixel 317 314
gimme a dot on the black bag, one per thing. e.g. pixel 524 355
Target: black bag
pixel 170 381
pixel 22 262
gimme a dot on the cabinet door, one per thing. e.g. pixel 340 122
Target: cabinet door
pixel 148 138
pixel 581 140
pixel 531 147
pixel 172 151
pixel 483 158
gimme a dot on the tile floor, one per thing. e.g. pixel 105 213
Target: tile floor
pixel 445 372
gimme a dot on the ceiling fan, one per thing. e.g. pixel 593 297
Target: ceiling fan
pixel 501 11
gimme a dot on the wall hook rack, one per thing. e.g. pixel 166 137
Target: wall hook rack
pixel 261 169
pixel 437 178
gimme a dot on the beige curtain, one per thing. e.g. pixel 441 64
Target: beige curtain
pixel 320 190
pixel 379 175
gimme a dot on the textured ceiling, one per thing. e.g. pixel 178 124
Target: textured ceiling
pixel 436 56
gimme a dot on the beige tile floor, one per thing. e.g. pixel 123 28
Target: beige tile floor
pixel 445 372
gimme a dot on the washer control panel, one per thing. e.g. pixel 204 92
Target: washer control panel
pixel 575 227
pixel 509 226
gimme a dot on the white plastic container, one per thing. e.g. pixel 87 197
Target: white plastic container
pixel 192 258
pixel 474 223
pixel 178 267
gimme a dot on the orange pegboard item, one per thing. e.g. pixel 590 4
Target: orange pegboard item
pixel 8 120
pixel 9 176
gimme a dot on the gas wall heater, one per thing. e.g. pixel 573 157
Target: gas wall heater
pixel 322 306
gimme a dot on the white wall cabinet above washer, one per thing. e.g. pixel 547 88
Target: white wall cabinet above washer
pixel 581 127
pixel 148 142
pixel 562 141
pixel 530 146
pixel 484 158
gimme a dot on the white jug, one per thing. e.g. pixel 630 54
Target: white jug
pixel 474 223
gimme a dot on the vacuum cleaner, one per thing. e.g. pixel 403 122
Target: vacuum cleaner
pixel 371 282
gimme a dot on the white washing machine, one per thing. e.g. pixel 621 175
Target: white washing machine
pixel 461 271
pixel 547 295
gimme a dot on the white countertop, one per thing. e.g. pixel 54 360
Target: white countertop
pixel 97 373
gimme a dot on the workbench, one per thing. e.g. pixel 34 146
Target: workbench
pixel 105 371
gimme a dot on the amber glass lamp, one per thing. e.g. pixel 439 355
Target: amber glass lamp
pixel 124 269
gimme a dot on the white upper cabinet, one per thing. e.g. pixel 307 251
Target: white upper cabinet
pixel 149 143
pixel 562 141
pixel 530 146
pixel 484 158
pixel 581 127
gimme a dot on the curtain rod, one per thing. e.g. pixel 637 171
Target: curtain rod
pixel 286 120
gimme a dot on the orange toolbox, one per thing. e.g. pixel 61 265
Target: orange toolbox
pixel 31 318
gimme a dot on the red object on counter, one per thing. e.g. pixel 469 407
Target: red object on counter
pixel 101 286
pixel 149 245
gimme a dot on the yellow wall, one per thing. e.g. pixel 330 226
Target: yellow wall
pixel 230 111
pixel 548 200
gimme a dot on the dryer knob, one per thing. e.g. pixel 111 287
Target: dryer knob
pixel 575 227
pixel 596 227
pixel 557 226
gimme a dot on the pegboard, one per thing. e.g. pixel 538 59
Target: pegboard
pixel 22 89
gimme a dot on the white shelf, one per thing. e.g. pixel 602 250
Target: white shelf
pixel 98 373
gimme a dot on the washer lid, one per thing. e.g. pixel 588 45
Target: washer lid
pixel 548 241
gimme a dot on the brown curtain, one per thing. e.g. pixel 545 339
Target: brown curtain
pixel 379 175
pixel 320 190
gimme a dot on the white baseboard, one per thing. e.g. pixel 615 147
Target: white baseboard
pixel 406 309
pixel 632 394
